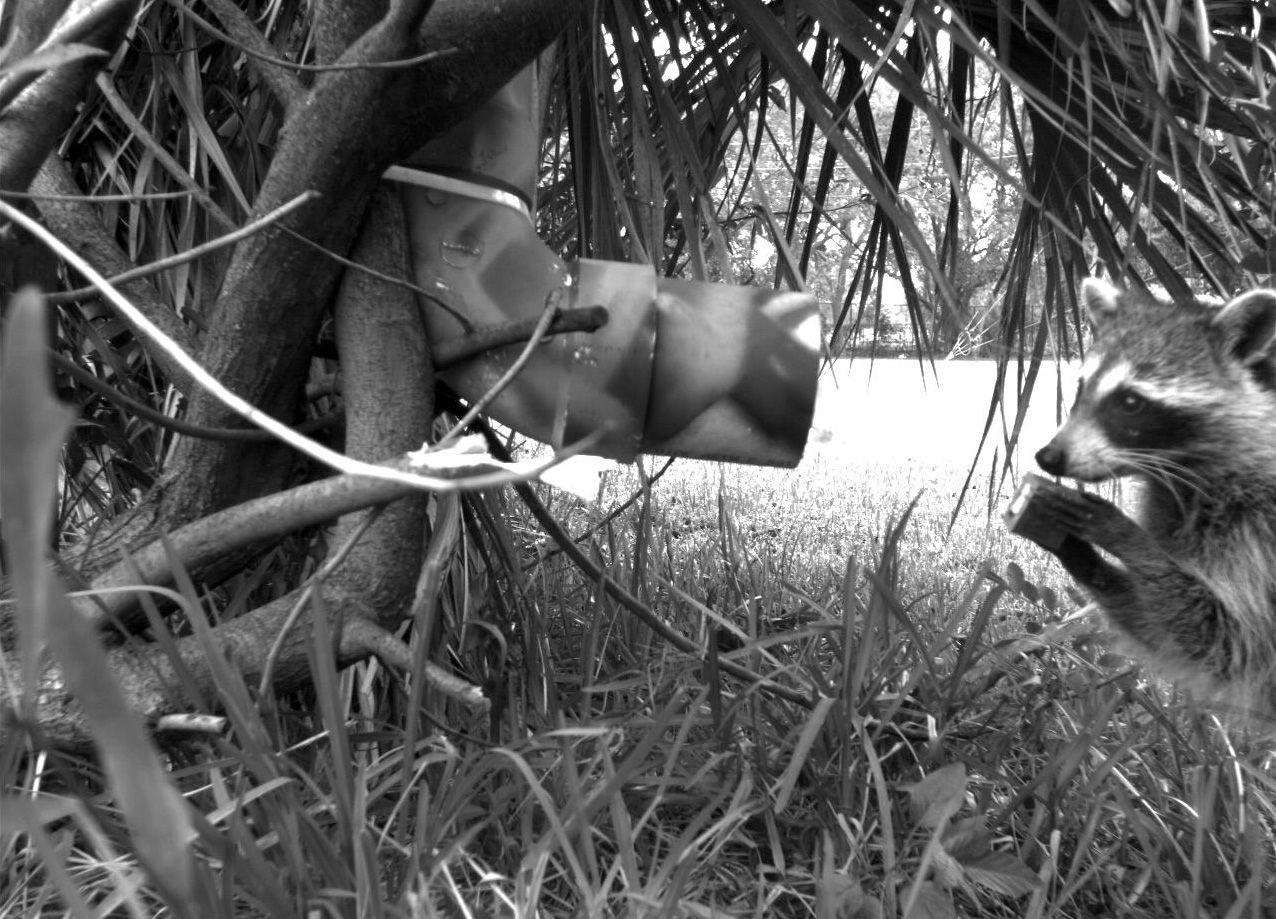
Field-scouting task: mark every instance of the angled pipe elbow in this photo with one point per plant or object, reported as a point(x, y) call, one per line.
point(681, 368)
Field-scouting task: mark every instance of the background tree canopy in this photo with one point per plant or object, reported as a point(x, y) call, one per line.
point(968, 161)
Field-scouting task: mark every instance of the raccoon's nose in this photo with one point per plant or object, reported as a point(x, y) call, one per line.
point(1052, 459)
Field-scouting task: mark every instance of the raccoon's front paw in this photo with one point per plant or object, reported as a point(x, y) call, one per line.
point(1047, 512)
point(1093, 519)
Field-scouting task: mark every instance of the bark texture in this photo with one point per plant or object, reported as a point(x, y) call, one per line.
point(342, 129)
point(338, 140)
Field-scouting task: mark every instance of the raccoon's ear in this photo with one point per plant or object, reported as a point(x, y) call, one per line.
point(1248, 324)
point(1100, 299)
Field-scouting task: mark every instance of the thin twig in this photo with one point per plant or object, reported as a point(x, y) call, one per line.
point(360, 637)
point(307, 592)
point(450, 480)
point(181, 258)
point(538, 333)
point(452, 351)
point(352, 265)
point(616, 512)
point(94, 199)
point(177, 425)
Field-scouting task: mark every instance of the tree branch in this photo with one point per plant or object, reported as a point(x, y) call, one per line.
point(153, 685)
point(77, 224)
point(282, 83)
point(388, 388)
point(190, 255)
point(362, 638)
point(351, 127)
point(32, 124)
point(208, 547)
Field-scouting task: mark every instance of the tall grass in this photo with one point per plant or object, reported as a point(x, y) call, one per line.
point(965, 749)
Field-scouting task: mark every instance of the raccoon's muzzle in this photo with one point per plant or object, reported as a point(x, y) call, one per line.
point(1052, 459)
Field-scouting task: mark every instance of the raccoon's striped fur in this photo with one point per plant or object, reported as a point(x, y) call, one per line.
point(1182, 397)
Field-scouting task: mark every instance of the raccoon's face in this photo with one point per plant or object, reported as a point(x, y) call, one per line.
point(1116, 423)
point(1167, 386)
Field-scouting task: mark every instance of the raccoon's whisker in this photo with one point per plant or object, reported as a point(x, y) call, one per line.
point(1165, 474)
point(1168, 470)
point(1171, 473)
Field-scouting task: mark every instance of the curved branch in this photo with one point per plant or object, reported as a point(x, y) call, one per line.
point(352, 125)
point(152, 676)
point(189, 255)
point(155, 416)
point(388, 387)
point(274, 72)
point(362, 638)
point(206, 545)
point(75, 222)
point(32, 124)
point(32, 23)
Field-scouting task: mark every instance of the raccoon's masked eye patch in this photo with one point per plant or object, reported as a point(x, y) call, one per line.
point(1264, 374)
point(1133, 421)
point(1129, 403)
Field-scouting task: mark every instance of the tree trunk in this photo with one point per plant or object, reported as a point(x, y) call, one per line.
point(340, 132)
point(337, 140)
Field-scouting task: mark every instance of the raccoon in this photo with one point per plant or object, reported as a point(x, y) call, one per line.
point(1181, 397)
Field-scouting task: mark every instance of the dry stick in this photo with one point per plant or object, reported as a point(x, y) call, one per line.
point(538, 333)
point(307, 592)
point(360, 637)
point(243, 408)
point(485, 338)
point(202, 540)
point(181, 258)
